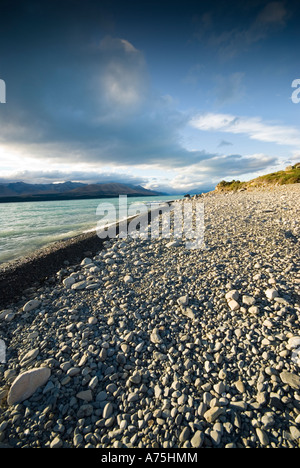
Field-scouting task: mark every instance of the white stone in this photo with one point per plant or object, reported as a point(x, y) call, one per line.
point(157, 391)
point(92, 320)
point(208, 366)
point(132, 397)
point(93, 382)
point(139, 347)
point(67, 282)
point(183, 300)
point(219, 388)
point(233, 304)
point(295, 433)
point(9, 317)
point(128, 279)
point(293, 380)
point(262, 436)
point(155, 337)
point(197, 440)
point(86, 261)
point(56, 443)
point(73, 371)
point(2, 352)
point(187, 311)
point(248, 300)
point(135, 378)
point(32, 354)
point(4, 313)
point(253, 310)
point(213, 414)
point(233, 294)
point(294, 342)
point(271, 293)
point(79, 285)
point(27, 383)
point(172, 244)
point(108, 410)
point(31, 305)
point(267, 323)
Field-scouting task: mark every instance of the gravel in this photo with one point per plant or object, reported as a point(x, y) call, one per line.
point(150, 344)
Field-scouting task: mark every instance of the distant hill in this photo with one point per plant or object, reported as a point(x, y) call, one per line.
point(291, 175)
point(21, 191)
point(112, 188)
point(13, 189)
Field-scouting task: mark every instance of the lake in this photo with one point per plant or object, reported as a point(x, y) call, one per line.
point(28, 226)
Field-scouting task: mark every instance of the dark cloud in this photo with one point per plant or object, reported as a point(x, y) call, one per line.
point(224, 143)
point(232, 28)
point(235, 164)
point(98, 108)
point(89, 177)
point(83, 95)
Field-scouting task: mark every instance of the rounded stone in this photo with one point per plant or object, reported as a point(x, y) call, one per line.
point(27, 383)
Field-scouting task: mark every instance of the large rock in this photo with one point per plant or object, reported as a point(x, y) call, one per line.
point(293, 380)
point(31, 305)
point(27, 383)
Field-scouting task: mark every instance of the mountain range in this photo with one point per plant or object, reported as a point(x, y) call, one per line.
point(21, 191)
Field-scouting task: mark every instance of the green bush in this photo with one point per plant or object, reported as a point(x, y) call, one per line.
point(290, 176)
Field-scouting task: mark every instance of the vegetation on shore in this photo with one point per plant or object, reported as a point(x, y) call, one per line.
point(291, 175)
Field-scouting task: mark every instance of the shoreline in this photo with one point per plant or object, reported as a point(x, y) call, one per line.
point(25, 272)
point(60, 243)
point(20, 274)
point(33, 269)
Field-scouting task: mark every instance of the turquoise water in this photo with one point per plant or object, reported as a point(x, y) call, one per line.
point(28, 226)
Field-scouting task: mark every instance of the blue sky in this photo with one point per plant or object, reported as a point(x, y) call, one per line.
point(174, 96)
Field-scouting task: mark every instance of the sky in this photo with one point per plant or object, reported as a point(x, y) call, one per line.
point(172, 95)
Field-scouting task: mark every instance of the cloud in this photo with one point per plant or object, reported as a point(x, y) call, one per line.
point(253, 127)
point(123, 77)
point(274, 13)
point(88, 177)
point(224, 143)
point(206, 175)
point(245, 31)
point(100, 108)
point(270, 19)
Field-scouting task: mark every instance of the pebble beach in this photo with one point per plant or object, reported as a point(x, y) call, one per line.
point(147, 344)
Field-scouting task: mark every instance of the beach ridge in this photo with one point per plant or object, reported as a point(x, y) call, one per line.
point(149, 344)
